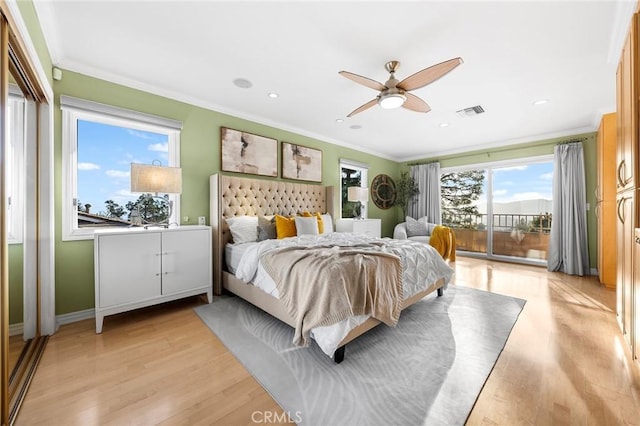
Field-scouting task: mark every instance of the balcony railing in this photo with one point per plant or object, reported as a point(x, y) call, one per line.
point(516, 235)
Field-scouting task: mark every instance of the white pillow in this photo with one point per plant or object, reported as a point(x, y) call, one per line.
point(327, 221)
point(418, 227)
point(306, 225)
point(244, 229)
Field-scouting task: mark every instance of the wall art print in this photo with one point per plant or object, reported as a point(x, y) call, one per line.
point(244, 152)
point(301, 163)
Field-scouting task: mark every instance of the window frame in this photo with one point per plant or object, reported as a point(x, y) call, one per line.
point(364, 172)
point(490, 166)
point(74, 109)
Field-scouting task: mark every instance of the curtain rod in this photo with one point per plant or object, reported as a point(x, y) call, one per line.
point(421, 163)
point(488, 153)
point(572, 141)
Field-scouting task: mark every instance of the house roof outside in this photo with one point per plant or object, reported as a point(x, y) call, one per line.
point(97, 221)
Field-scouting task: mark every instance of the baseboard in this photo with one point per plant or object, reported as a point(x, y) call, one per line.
point(15, 329)
point(74, 317)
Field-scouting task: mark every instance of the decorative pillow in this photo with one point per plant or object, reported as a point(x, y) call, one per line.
point(306, 225)
point(244, 229)
point(285, 227)
point(320, 221)
point(266, 228)
point(418, 227)
point(327, 222)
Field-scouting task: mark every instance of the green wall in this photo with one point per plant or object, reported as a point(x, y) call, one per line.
point(30, 18)
point(533, 149)
point(16, 287)
point(199, 158)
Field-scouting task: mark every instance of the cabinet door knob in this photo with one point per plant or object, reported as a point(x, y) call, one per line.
point(157, 274)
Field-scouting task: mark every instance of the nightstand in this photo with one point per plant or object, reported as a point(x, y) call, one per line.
point(370, 227)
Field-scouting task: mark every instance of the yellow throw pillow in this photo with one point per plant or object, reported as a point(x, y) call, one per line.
point(285, 227)
point(320, 221)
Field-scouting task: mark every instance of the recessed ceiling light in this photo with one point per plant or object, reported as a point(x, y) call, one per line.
point(444, 124)
point(273, 95)
point(541, 101)
point(339, 120)
point(242, 83)
point(355, 127)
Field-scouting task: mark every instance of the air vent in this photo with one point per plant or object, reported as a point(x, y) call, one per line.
point(468, 112)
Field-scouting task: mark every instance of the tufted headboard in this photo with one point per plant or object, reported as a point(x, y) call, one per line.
point(236, 196)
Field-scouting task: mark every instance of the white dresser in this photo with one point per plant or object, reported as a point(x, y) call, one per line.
point(370, 227)
point(137, 267)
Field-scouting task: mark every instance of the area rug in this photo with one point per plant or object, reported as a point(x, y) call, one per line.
point(427, 370)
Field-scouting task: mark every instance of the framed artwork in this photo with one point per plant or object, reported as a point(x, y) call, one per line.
point(383, 191)
point(244, 152)
point(301, 163)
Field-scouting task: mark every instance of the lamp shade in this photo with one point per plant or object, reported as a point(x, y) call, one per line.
point(357, 193)
point(156, 179)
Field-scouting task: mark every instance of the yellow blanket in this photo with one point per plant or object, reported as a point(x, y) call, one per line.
point(443, 239)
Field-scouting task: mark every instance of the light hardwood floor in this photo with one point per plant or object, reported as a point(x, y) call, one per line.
point(565, 363)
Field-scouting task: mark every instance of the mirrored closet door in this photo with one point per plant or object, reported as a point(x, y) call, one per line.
point(22, 343)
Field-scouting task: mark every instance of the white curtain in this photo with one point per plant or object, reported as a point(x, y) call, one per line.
point(568, 247)
point(427, 202)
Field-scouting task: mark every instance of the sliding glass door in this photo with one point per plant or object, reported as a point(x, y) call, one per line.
point(500, 210)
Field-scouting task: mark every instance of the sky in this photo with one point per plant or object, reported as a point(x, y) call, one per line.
point(105, 154)
point(524, 182)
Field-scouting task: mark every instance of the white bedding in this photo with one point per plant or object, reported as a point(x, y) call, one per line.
point(422, 266)
point(233, 253)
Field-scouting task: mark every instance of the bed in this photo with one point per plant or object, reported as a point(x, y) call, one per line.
point(233, 196)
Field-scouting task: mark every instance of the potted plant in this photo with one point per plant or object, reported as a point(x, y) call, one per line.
point(406, 189)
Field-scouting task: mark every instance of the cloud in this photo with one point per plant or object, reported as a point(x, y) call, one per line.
point(141, 135)
point(530, 196)
point(510, 169)
point(159, 147)
point(88, 166)
point(546, 176)
point(118, 174)
point(499, 192)
point(122, 196)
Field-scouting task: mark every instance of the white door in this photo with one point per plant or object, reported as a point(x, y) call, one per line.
point(184, 257)
point(129, 268)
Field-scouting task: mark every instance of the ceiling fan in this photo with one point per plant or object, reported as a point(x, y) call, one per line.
point(394, 93)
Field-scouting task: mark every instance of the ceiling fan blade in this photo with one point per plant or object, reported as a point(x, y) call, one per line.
point(363, 107)
point(414, 103)
point(363, 80)
point(428, 75)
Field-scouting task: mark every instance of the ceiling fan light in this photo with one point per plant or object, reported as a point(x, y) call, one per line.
point(392, 100)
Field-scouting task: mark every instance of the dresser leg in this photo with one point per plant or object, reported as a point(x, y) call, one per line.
point(99, 320)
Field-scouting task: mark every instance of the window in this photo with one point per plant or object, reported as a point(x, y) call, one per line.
point(351, 174)
point(15, 165)
point(501, 209)
point(99, 144)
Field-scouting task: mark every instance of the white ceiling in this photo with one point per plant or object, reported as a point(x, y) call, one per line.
point(514, 53)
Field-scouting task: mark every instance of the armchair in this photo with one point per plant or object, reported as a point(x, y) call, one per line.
point(400, 231)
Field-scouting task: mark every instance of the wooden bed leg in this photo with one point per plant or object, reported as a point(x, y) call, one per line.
point(338, 355)
point(440, 292)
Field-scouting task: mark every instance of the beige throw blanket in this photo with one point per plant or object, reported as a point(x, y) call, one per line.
point(321, 286)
